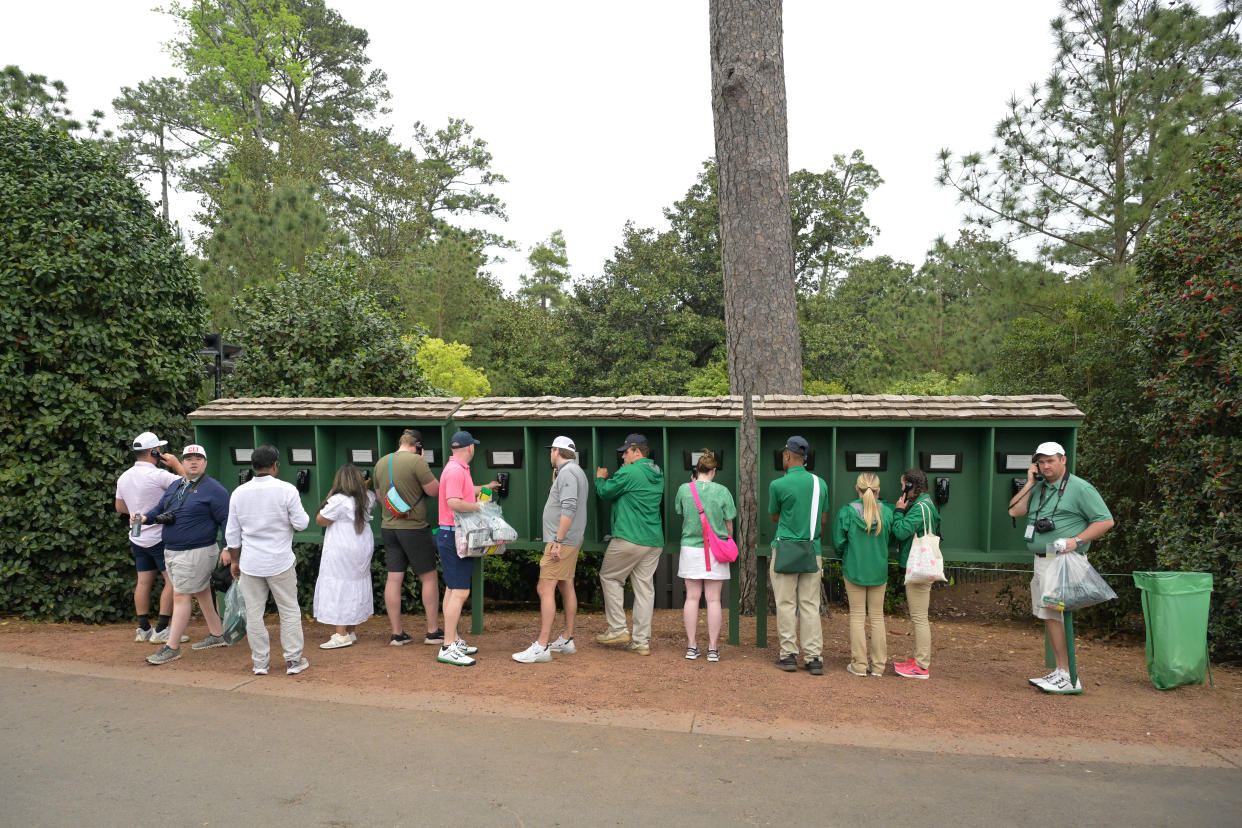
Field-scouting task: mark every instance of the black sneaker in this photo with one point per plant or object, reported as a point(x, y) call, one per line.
point(788, 663)
point(399, 640)
point(436, 637)
point(815, 666)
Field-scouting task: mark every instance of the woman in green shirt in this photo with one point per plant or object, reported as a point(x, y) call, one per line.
point(916, 516)
point(702, 573)
point(861, 535)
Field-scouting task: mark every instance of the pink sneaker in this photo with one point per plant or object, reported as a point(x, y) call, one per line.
point(910, 670)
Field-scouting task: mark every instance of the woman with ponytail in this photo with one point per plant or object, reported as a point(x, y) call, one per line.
point(861, 535)
point(702, 573)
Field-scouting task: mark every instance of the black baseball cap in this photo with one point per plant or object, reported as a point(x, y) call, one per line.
point(797, 445)
point(638, 440)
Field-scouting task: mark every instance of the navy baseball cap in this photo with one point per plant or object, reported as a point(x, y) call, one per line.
point(796, 445)
point(462, 439)
point(633, 440)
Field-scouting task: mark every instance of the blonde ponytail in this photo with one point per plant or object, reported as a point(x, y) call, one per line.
point(868, 488)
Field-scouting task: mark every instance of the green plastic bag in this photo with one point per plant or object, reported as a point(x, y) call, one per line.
point(1175, 609)
point(234, 617)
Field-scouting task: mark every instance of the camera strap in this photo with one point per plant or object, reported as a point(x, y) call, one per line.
point(1043, 493)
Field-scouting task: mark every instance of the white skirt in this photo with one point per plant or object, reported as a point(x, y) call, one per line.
point(692, 565)
point(343, 590)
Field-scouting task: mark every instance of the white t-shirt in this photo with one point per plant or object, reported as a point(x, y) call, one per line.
point(263, 515)
point(141, 488)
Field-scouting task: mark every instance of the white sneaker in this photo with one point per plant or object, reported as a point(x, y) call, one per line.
point(1038, 682)
point(464, 647)
point(261, 671)
point(336, 641)
point(144, 635)
point(563, 645)
point(1060, 684)
point(353, 638)
point(450, 654)
point(536, 652)
point(161, 637)
point(292, 668)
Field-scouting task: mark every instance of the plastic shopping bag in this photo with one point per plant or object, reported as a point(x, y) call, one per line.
point(484, 532)
point(1071, 583)
point(234, 617)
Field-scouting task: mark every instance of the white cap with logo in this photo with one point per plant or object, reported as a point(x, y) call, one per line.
point(194, 448)
point(563, 442)
point(1050, 449)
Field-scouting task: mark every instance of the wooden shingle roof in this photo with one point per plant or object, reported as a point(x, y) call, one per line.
point(329, 408)
point(907, 407)
point(600, 408)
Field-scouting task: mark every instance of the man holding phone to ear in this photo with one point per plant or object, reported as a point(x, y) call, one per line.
point(138, 490)
point(1067, 511)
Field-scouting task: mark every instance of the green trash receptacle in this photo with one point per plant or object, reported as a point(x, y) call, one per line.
point(1175, 610)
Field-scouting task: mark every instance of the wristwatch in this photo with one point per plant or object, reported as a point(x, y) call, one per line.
point(1078, 540)
point(558, 540)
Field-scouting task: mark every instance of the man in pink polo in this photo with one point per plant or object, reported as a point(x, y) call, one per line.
point(457, 494)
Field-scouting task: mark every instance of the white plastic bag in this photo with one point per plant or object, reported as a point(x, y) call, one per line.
point(484, 532)
point(1071, 583)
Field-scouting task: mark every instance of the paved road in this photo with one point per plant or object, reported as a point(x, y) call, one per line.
point(79, 750)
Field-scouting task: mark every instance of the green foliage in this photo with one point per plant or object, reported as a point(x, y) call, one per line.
point(444, 365)
point(102, 314)
point(1189, 326)
point(710, 381)
point(528, 351)
point(549, 266)
point(46, 101)
point(829, 224)
point(1138, 87)
point(1082, 347)
point(935, 384)
point(319, 333)
point(821, 388)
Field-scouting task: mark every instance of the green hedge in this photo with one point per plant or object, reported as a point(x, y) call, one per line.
point(101, 315)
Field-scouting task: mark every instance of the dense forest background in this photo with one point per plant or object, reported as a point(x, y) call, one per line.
point(341, 257)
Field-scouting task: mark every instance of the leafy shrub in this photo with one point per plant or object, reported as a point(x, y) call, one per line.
point(101, 315)
point(1190, 327)
point(319, 333)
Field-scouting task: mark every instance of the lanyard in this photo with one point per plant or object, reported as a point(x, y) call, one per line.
point(1043, 493)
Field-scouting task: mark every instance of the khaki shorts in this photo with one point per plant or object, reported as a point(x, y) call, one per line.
point(1037, 591)
point(562, 570)
point(190, 569)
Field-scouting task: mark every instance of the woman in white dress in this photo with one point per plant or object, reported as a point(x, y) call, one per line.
point(343, 593)
point(694, 562)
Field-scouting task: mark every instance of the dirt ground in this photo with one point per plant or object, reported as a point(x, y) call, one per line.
point(981, 660)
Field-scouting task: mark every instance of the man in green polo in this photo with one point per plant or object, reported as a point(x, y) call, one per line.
point(798, 502)
point(636, 491)
point(1057, 506)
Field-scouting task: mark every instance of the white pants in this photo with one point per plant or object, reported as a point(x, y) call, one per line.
point(284, 589)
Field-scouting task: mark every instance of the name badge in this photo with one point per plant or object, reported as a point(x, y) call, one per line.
point(1030, 531)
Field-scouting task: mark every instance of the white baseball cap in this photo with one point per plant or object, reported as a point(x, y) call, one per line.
point(563, 442)
point(1050, 449)
point(194, 448)
point(147, 440)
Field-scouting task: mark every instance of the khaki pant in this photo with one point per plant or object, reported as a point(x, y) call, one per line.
point(918, 598)
point(867, 601)
point(622, 560)
point(284, 589)
point(797, 610)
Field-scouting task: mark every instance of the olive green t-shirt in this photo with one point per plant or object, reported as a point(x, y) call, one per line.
point(410, 471)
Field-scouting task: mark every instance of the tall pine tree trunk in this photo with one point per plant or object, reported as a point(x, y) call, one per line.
point(756, 236)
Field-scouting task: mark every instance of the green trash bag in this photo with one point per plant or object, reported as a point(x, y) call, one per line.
point(1175, 609)
point(234, 617)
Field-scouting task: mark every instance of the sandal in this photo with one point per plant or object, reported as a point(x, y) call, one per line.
point(692, 653)
point(713, 655)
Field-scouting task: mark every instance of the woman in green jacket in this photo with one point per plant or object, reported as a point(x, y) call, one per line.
point(861, 535)
point(916, 516)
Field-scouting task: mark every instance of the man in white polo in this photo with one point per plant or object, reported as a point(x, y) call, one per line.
point(263, 515)
point(138, 490)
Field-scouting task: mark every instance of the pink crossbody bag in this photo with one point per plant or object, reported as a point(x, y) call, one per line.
point(723, 550)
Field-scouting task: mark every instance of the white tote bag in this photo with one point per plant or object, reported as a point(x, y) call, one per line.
point(925, 564)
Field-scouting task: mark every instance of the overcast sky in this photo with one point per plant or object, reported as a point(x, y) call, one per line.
point(600, 112)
